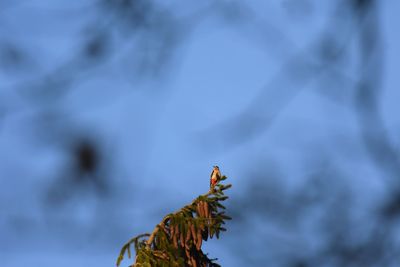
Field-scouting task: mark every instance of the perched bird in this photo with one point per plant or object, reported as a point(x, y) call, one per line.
point(215, 177)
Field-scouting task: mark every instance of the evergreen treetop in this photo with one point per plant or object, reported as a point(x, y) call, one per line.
point(177, 240)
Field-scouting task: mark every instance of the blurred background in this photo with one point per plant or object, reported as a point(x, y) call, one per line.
point(113, 112)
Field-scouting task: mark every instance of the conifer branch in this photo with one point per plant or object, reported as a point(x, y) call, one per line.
point(177, 239)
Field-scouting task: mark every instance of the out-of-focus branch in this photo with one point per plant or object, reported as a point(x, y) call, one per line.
point(368, 91)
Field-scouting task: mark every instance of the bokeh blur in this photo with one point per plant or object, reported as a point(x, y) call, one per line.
point(113, 112)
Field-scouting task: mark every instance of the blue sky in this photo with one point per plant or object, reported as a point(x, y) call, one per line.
point(159, 134)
